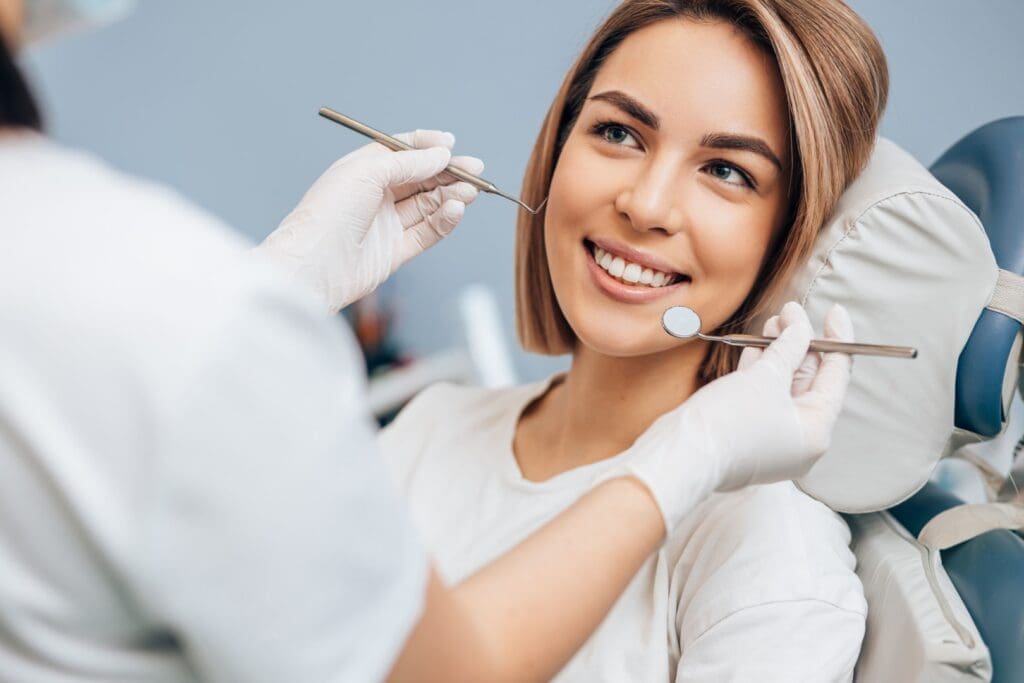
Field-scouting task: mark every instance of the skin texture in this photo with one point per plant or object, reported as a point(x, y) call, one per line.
point(12, 14)
point(665, 192)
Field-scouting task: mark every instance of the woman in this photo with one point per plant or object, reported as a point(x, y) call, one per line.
point(689, 158)
point(147, 516)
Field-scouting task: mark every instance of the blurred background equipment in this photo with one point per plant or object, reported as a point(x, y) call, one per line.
point(477, 354)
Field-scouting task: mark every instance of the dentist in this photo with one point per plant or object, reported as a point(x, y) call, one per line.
point(188, 483)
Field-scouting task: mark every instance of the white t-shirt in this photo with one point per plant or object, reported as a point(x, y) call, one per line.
point(188, 483)
point(754, 585)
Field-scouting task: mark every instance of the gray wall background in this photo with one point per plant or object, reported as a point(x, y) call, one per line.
point(219, 100)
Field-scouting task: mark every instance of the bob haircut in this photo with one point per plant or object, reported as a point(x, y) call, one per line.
point(836, 81)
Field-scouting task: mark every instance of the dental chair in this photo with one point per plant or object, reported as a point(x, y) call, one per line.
point(986, 171)
point(907, 255)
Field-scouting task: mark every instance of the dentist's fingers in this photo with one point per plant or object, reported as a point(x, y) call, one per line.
point(432, 148)
point(787, 352)
point(421, 139)
point(429, 231)
point(433, 138)
point(820, 406)
point(835, 367)
point(418, 139)
point(468, 164)
point(805, 374)
point(400, 169)
point(751, 353)
point(829, 385)
point(422, 205)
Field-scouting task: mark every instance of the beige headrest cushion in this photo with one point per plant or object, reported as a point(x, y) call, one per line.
point(913, 266)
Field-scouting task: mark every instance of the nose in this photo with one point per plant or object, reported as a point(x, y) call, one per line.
point(651, 199)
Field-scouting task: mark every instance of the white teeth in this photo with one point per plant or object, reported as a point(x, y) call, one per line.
point(630, 272)
point(617, 267)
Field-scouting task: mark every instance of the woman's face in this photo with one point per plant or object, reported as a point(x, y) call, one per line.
point(670, 185)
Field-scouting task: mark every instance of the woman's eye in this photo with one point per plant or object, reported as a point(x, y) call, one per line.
point(729, 174)
point(616, 134)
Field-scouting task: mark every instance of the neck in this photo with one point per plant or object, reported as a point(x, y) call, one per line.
point(604, 404)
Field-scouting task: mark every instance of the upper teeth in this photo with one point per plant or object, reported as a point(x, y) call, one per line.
point(630, 272)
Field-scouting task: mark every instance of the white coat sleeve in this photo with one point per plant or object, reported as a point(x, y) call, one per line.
point(798, 640)
point(275, 546)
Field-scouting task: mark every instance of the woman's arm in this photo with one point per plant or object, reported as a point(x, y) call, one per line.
point(522, 617)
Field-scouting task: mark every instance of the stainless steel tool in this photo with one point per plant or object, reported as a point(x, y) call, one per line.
point(397, 145)
point(684, 323)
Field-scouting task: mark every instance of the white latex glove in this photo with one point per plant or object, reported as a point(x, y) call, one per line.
point(369, 213)
point(768, 421)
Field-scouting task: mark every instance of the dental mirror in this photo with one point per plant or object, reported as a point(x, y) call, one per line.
point(682, 322)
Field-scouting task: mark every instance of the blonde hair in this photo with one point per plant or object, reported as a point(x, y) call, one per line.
point(836, 81)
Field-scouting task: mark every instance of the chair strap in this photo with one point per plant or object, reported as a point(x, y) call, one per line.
point(963, 522)
point(1008, 296)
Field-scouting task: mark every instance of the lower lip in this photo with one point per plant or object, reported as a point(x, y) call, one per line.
point(627, 294)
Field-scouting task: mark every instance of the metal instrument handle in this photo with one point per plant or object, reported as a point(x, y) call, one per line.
point(396, 145)
point(823, 345)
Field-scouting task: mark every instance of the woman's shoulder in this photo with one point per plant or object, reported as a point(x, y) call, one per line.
point(774, 524)
point(760, 545)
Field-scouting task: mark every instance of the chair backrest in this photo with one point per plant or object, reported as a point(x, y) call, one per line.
point(986, 171)
point(913, 266)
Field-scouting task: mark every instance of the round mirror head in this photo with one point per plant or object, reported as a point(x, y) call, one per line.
point(681, 322)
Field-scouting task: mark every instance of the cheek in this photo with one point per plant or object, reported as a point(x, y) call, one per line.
point(562, 232)
point(580, 183)
point(577, 194)
point(733, 251)
point(730, 247)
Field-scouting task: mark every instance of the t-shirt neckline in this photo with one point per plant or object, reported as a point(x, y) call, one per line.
point(510, 464)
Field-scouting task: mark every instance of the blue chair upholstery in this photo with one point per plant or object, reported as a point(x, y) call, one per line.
point(986, 170)
point(988, 572)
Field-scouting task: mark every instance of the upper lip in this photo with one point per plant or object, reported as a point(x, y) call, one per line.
point(629, 253)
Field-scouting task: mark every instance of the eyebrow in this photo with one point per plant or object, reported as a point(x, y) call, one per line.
point(630, 106)
point(745, 143)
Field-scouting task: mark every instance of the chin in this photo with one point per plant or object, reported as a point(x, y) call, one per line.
point(622, 336)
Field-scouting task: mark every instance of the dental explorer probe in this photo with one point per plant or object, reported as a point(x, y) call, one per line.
point(397, 145)
point(684, 323)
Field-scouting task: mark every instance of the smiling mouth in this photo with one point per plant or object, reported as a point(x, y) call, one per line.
point(630, 273)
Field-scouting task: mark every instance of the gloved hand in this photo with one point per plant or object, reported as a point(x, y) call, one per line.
point(768, 421)
point(369, 213)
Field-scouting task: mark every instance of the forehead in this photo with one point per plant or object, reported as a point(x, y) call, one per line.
point(699, 76)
